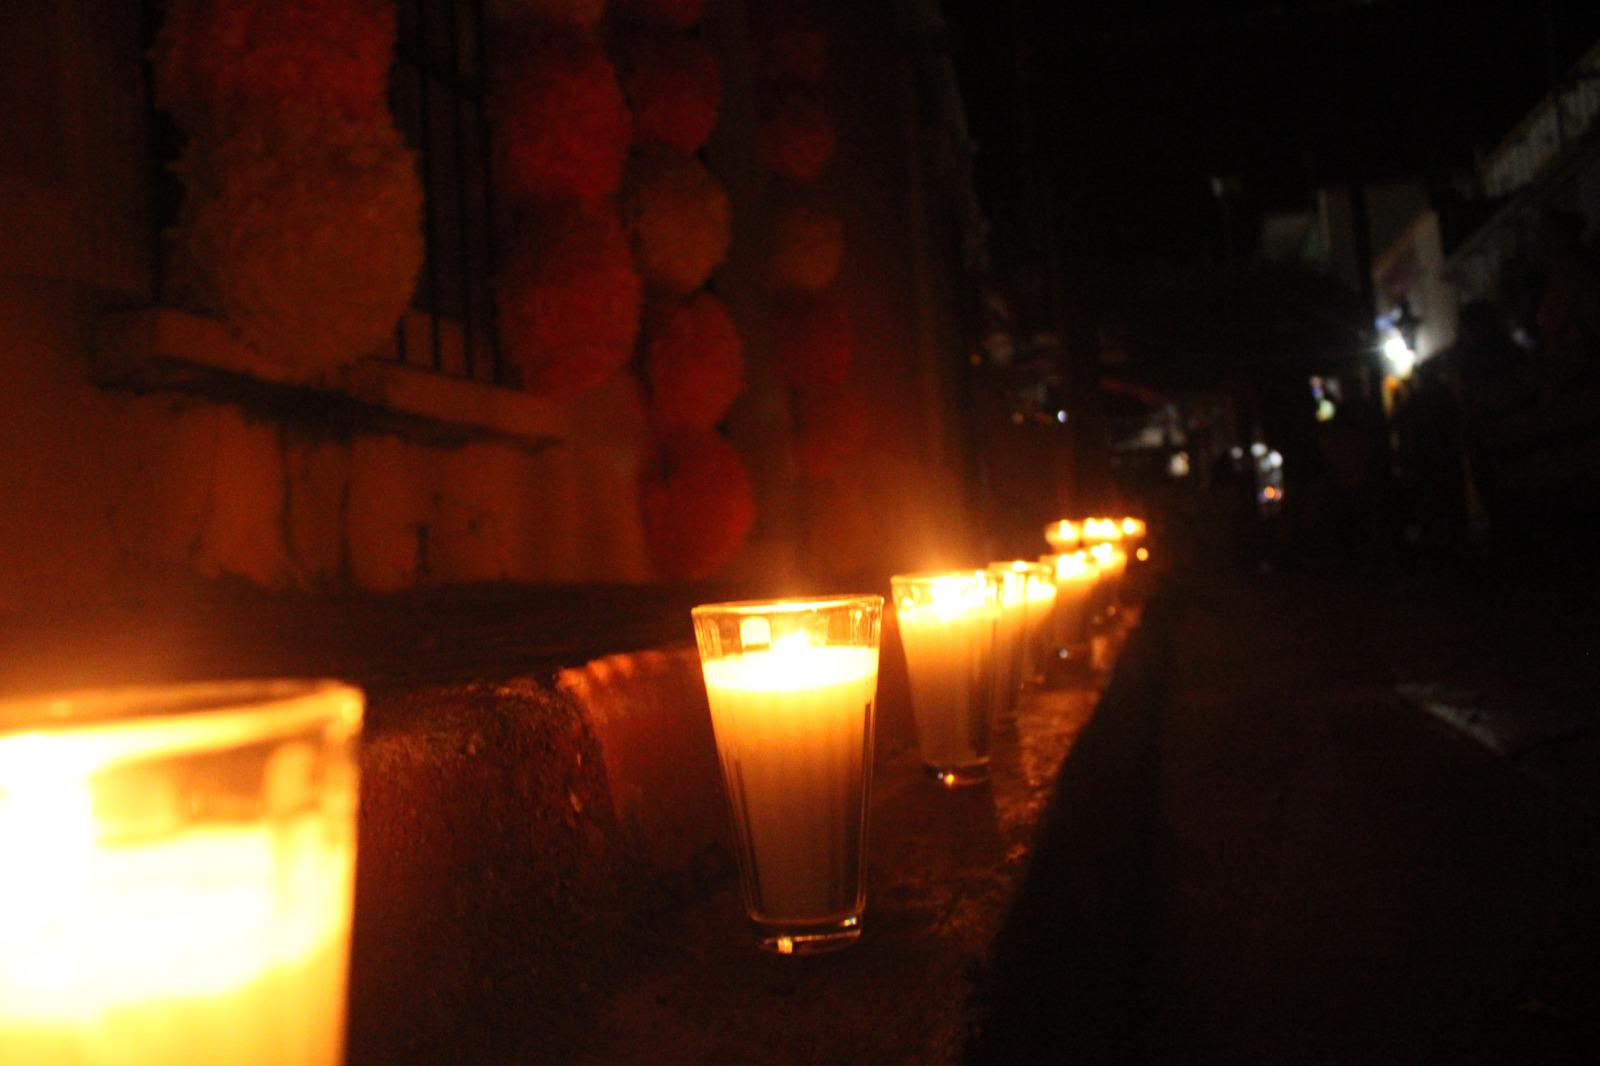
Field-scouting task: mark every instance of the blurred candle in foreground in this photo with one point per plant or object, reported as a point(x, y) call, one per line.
point(178, 874)
point(947, 625)
point(1010, 634)
point(791, 686)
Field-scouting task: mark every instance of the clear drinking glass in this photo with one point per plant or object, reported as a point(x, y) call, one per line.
point(947, 624)
point(1077, 580)
point(791, 685)
point(1011, 635)
point(178, 874)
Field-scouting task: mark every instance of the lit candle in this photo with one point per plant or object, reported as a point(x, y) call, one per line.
point(947, 626)
point(1113, 564)
point(791, 686)
point(1041, 609)
point(1100, 531)
point(1134, 533)
point(1063, 536)
point(1076, 577)
point(1011, 633)
point(178, 876)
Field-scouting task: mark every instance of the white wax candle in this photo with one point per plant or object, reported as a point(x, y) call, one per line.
point(949, 646)
point(223, 944)
point(1009, 634)
point(1076, 578)
point(794, 731)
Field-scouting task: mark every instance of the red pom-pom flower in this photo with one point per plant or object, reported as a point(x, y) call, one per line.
point(832, 426)
point(562, 125)
point(807, 247)
point(796, 139)
point(320, 56)
point(569, 303)
point(694, 362)
point(673, 87)
point(812, 346)
point(679, 218)
point(698, 506)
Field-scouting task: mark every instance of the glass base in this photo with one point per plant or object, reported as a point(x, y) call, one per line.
point(808, 938)
point(958, 776)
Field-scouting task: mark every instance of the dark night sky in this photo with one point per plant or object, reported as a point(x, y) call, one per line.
point(1135, 105)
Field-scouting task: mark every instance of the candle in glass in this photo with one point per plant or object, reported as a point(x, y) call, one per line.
point(1112, 562)
point(1041, 609)
point(1095, 531)
point(1134, 536)
point(1063, 536)
point(947, 626)
point(791, 686)
point(1076, 578)
point(1010, 634)
point(179, 874)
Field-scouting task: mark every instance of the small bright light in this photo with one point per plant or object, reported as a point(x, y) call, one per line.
point(1178, 464)
point(1325, 410)
point(1399, 354)
point(1143, 555)
point(1061, 416)
point(1274, 460)
point(1258, 449)
point(1236, 452)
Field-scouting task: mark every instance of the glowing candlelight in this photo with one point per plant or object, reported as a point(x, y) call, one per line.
point(1100, 531)
point(1041, 609)
point(947, 625)
point(179, 875)
point(791, 686)
point(1076, 577)
point(1113, 564)
point(1011, 634)
point(1064, 535)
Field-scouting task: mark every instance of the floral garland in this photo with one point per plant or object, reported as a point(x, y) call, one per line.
point(680, 220)
point(812, 345)
point(672, 86)
point(563, 126)
point(292, 160)
point(694, 362)
point(568, 297)
point(698, 504)
point(569, 302)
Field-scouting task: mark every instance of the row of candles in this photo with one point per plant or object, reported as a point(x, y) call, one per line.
point(792, 686)
point(180, 860)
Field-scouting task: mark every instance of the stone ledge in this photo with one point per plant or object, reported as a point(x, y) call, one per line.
point(164, 350)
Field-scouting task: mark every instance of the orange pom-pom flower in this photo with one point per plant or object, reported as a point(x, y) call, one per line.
point(694, 362)
point(673, 88)
point(569, 303)
point(562, 126)
point(678, 215)
point(698, 504)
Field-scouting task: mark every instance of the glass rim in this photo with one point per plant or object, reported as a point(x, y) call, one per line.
point(934, 575)
point(1016, 566)
point(136, 720)
point(788, 605)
